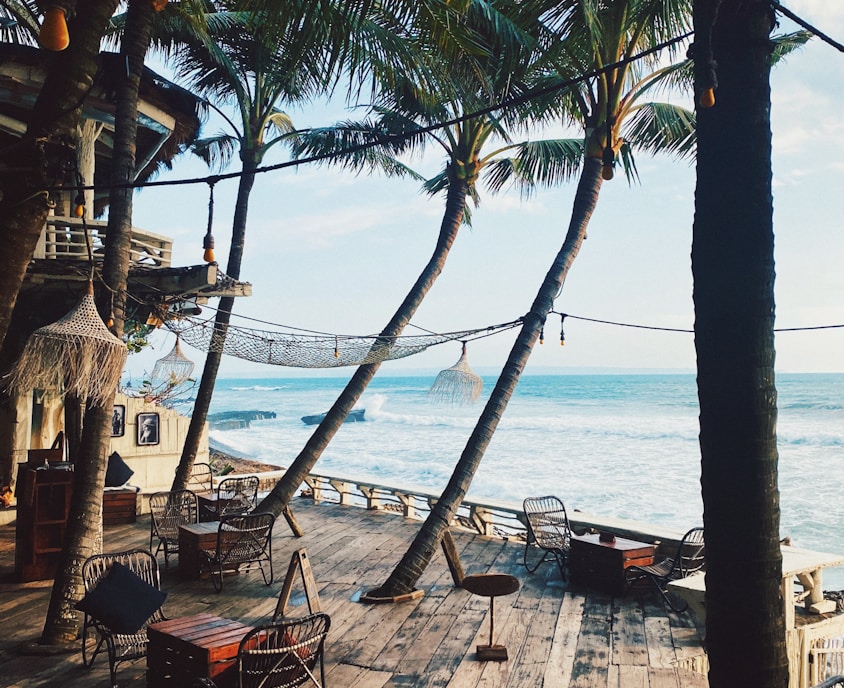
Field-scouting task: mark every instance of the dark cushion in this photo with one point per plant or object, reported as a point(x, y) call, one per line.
point(122, 600)
point(117, 472)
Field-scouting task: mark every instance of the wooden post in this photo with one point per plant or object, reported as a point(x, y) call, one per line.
point(292, 522)
point(453, 558)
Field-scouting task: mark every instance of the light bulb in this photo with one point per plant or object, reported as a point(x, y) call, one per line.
point(208, 256)
point(607, 172)
point(159, 5)
point(54, 34)
point(707, 98)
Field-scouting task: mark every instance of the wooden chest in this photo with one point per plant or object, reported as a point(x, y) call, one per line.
point(194, 539)
point(119, 506)
point(200, 646)
point(601, 565)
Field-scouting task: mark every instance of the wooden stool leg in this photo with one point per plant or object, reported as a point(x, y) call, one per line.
point(491, 652)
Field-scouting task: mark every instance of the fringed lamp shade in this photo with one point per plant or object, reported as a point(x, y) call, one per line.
point(173, 369)
point(76, 355)
point(458, 384)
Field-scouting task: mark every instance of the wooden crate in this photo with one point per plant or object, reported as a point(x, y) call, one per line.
point(199, 646)
point(601, 565)
point(119, 506)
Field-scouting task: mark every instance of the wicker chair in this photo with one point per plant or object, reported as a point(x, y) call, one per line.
point(689, 558)
point(201, 478)
point(234, 496)
point(281, 655)
point(284, 654)
point(98, 634)
point(832, 682)
point(547, 528)
point(243, 542)
point(168, 511)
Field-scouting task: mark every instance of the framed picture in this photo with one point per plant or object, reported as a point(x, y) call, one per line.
point(118, 421)
point(147, 428)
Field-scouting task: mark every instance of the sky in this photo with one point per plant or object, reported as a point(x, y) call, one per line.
point(330, 251)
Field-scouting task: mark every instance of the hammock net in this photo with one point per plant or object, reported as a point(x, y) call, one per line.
point(297, 350)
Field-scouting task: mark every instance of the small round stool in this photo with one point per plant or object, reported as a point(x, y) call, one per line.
point(491, 585)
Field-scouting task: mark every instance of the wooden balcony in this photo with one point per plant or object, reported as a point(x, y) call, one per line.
point(63, 238)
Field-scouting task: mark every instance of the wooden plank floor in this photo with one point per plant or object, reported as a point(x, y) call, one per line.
point(556, 636)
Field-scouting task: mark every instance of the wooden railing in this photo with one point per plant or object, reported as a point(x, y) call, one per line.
point(64, 238)
point(487, 516)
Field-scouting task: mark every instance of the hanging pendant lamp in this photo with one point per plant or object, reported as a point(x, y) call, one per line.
point(77, 355)
point(173, 369)
point(458, 384)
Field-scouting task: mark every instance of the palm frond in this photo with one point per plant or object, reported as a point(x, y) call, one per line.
point(216, 151)
point(536, 163)
point(662, 128)
point(787, 43)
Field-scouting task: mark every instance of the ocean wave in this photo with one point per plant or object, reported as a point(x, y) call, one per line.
point(259, 388)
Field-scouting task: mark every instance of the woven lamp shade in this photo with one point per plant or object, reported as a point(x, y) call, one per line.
point(458, 384)
point(74, 355)
point(173, 369)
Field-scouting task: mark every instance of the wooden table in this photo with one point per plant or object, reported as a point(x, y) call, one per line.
point(200, 646)
point(194, 539)
point(601, 565)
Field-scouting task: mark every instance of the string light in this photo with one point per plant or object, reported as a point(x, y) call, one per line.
point(562, 331)
point(208, 240)
point(53, 34)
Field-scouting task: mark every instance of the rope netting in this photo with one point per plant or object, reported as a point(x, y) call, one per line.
point(314, 350)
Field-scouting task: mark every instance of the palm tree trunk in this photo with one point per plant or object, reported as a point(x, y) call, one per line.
point(83, 536)
point(284, 489)
point(221, 325)
point(403, 578)
point(40, 159)
point(733, 269)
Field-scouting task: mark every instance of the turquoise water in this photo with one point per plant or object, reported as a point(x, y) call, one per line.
point(619, 445)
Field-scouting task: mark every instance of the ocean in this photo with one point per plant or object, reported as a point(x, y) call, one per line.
point(619, 445)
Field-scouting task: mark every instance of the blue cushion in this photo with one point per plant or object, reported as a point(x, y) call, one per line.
point(122, 600)
point(117, 472)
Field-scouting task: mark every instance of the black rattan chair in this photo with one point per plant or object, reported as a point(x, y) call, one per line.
point(168, 511)
point(689, 558)
point(118, 608)
point(548, 529)
point(243, 542)
point(234, 496)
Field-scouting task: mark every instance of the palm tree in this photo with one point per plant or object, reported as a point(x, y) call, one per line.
point(608, 106)
point(500, 66)
point(42, 156)
point(733, 270)
point(287, 52)
point(85, 516)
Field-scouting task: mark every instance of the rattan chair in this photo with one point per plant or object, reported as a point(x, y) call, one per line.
point(97, 634)
point(201, 478)
point(832, 682)
point(548, 529)
point(234, 496)
point(689, 558)
point(281, 655)
point(284, 654)
point(243, 542)
point(168, 511)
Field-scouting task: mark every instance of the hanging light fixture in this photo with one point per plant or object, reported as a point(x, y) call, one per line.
point(77, 355)
point(54, 34)
point(173, 369)
point(458, 384)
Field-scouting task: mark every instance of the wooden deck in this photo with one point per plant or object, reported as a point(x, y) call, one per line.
point(556, 635)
